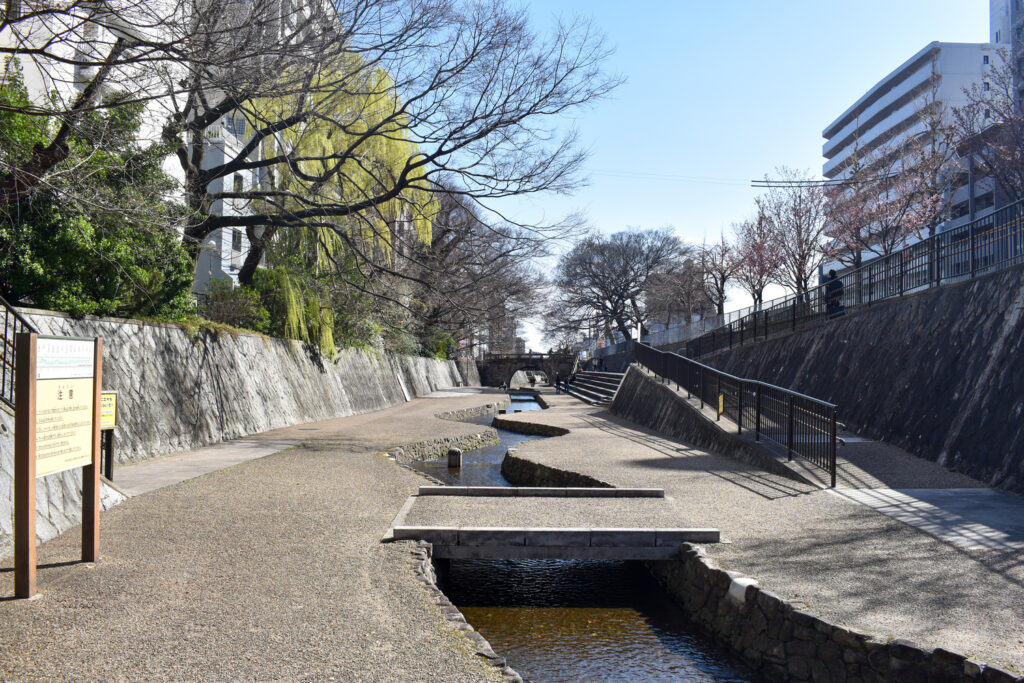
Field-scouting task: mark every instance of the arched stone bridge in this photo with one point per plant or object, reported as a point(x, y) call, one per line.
point(497, 368)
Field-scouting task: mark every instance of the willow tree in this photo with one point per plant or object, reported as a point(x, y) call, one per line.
point(312, 262)
point(355, 108)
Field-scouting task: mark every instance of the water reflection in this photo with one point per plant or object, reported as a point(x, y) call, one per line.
point(570, 620)
point(482, 466)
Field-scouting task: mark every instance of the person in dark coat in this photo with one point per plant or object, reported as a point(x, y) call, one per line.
point(834, 295)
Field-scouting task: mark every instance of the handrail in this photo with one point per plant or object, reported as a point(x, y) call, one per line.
point(803, 425)
point(985, 245)
point(14, 323)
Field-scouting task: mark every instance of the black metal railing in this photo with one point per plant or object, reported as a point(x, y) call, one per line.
point(983, 246)
point(803, 425)
point(14, 323)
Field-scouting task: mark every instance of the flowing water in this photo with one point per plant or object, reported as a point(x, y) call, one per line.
point(573, 620)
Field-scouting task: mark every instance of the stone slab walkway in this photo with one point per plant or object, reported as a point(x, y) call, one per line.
point(830, 554)
point(271, 569)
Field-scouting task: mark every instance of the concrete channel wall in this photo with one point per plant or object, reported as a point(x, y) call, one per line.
point(179, 391)
point(939, 373)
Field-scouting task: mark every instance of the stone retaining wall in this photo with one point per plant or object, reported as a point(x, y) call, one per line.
point(644, 400)
point(939, 373)
point(523, 472)
point(787, 644)
point(179, 391)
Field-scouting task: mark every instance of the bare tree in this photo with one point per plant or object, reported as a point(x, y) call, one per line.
point(476, 276)
point(718, 263)
point(607, 277)
point(990, 126)
point(360, 107)
point(795, 212)
point(326, 117)
point(758, 257)
point(677, 296)
point(895, 190)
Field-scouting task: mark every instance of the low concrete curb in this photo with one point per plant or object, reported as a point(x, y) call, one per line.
point(542, 491)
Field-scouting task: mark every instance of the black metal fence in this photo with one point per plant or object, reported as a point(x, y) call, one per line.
point(14, 323)
point(804, 426)
point(983, 246)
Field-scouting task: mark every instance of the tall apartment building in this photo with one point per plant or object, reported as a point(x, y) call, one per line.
point(1006, 31)
point(894, 109)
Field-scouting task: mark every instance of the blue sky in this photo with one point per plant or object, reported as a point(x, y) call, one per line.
point(719, 93)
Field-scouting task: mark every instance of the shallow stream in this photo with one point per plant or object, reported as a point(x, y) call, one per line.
point(572, 620)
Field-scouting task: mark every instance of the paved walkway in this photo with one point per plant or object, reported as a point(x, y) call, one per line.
point(268, 570)
point(831, 552)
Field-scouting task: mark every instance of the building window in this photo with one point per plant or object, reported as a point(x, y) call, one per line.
point(988, 113)
point(984, 60)
point(986, 86)
point(998, 37)
point(959, 210)
point(238, 183)
point(236, 240)
point(984, 201)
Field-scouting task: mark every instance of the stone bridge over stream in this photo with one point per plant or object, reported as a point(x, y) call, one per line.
point(498, 368)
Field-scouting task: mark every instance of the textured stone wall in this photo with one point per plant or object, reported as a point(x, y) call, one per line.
point(939, 373)
point(787, 644)
point(644, 400)
point(178, 391)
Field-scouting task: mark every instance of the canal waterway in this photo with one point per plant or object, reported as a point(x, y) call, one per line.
point(574, 620)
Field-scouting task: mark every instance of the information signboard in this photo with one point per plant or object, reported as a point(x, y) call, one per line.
point(57, 417)
point(108, 410)
point(64, 404)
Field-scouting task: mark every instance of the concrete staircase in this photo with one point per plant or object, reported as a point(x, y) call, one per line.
point(596, 388)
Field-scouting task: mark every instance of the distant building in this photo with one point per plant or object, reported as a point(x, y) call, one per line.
point(225, 250)
point(893, 110)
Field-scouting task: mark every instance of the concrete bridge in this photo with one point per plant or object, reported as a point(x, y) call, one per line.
point(469, 522)
point(497, 368)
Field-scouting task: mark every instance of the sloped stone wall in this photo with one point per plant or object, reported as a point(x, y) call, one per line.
point(939, 373)
point(178, 391)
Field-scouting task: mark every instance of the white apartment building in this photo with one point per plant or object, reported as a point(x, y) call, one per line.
point(893, 108)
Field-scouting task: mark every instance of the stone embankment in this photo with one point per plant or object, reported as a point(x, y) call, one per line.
point(179, 391)
point(939, 373)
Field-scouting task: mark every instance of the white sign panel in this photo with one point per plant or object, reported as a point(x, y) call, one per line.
point(64, 358)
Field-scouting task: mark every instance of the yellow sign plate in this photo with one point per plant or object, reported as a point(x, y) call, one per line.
point(108, 410)
point(721, 403)
point(63, 424)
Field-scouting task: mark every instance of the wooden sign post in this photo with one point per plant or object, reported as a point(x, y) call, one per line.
point(57, 419)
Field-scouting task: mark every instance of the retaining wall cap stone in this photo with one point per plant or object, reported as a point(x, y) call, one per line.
point(738, 588)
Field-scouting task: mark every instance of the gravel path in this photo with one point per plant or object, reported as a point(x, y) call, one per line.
point(842, 560)
point(269, 570)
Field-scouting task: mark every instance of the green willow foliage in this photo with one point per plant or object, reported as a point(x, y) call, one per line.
point(296, 311)
point(73, 245)
point(314, 289)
